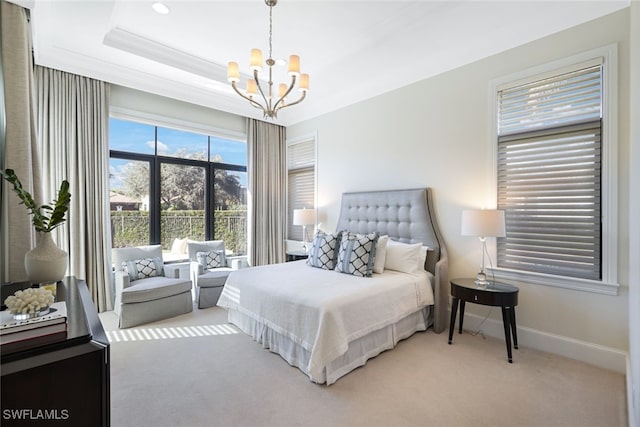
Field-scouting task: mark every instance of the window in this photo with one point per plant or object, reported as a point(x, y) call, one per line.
point(301, 181)
point(553, 179)
point(169, 185)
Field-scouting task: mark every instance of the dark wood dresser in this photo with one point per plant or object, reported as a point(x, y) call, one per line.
point(64, 382)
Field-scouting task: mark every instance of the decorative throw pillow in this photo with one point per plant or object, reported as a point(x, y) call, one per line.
point(142, 268)
point(357, 253)
point(404, 257)
point(324, 250)
point(381, 254)
point(193, 247)
point(211, 259)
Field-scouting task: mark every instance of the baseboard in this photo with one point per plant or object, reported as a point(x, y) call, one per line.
point(593, 354)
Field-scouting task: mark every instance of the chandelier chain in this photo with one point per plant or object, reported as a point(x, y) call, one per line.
point(270, 30)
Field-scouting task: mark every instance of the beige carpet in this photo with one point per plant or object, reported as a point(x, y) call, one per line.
point(166, 374)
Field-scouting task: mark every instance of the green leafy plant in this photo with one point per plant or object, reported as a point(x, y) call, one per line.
point(45, 217)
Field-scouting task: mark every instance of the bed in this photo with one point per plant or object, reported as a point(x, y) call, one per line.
point(327, 323)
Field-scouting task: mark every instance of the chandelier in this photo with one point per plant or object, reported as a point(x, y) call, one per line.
point(267, 102)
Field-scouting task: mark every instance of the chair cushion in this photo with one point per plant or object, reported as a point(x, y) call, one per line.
point(154, 288)
point(214, 278)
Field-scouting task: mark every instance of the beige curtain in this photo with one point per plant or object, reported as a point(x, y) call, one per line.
point(267, 176)
point(73, 136)
point(16, 231)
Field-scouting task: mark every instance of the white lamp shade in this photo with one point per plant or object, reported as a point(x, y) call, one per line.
point(304, 216)
point(483, 223)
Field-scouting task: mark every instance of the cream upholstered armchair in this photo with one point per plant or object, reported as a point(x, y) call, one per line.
point(146, 289)
point(210, 266)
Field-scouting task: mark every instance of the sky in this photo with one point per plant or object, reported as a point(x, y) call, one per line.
point(136, 137)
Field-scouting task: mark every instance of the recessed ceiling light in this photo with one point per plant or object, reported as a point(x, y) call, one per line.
point(281, 61)
point(160, 8)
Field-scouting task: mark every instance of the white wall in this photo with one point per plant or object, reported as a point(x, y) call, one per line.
point(436, 133)
point(634, 226)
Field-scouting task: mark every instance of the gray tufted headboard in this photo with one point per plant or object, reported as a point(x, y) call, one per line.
point(406, 216)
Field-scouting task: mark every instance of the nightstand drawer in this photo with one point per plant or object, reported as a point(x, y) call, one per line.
point(494, 295)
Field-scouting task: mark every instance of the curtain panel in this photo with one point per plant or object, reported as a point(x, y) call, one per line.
point(267, 177)
point(17, 234)
point(73, 139)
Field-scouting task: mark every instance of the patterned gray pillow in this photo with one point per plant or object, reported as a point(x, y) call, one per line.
point(357, 253)
point(324, 250)
point(142, 268)
point(211, 259)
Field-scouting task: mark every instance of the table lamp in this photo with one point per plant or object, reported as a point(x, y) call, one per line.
point(483, 223)
point(304, 217)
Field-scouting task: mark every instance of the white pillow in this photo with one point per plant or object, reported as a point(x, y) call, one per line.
point(179, 246)
point(423, 255)
point(381, 254)
point(404, 257)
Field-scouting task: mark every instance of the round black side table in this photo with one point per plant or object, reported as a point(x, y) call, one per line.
point(494, 294)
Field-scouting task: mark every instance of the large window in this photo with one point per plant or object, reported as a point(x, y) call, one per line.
point(170, 185)
point(301, 181)
point(551, 166)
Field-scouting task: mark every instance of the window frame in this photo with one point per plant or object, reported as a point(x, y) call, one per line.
point(155, 161)
point(609, 185)
point(298, 140)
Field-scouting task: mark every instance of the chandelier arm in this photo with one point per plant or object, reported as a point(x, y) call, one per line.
point(304, 94)
point(251, 100)
point(281, 99)
point(266, 103)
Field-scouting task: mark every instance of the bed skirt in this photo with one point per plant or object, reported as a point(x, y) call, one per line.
point(360, 350)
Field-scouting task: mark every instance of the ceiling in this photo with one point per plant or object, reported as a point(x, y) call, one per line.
point(353, 50)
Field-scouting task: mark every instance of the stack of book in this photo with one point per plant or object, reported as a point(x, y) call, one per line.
point(16, 335)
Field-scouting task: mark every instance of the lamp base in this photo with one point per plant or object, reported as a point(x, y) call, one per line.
point(481, 279)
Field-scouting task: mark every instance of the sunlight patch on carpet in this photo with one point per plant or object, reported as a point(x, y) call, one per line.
point(148, 334)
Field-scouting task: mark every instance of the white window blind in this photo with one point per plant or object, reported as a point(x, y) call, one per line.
point(571, 97)
point(549, 175)
point(301, 161)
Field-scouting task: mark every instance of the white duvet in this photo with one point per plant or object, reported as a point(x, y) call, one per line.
point(324, 310)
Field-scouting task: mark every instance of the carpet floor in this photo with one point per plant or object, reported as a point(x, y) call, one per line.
point(198, 370)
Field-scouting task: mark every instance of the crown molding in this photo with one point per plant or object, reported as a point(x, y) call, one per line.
point(128, 41)
point(183, 90)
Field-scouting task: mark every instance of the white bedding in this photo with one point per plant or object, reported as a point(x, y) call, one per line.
point(323, 311)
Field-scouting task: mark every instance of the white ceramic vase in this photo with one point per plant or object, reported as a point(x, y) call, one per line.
point(46, 262)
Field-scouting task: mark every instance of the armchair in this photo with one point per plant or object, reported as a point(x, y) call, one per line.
point(147, 290)
point(210, 274)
